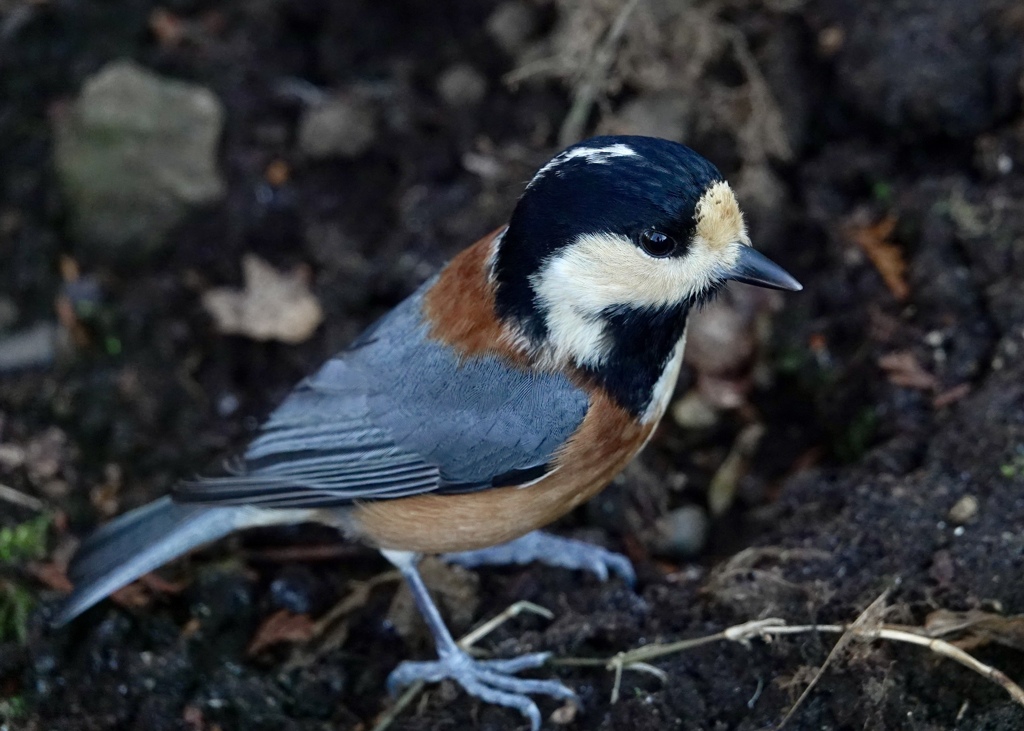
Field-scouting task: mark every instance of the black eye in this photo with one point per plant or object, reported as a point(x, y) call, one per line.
point(656, 243)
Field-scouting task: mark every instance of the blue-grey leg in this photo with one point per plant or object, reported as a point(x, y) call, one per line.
point(551, 550)
point(492, 681)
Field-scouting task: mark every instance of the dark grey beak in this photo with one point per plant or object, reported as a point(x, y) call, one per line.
point(755, 268)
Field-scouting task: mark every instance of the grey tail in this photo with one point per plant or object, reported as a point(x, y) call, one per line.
point(139, 542)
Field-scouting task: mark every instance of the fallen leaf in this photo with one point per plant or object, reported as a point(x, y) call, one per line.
point(51, 575)
point(166, 27)
point(132, 596)
point(978, 628)
point(271, 306)
point(565, 714)
point(277, 173)
point(903, 370)
point(193, 718)
point(281, 627)
point(159, 585)
point(885, 255)
point(140, 593)
point(951, 396)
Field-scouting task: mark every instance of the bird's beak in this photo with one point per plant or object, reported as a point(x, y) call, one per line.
point(753, 267)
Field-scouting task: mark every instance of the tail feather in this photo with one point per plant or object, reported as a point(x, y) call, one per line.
point(139, 542)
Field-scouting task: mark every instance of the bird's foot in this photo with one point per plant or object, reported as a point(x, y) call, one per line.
point(553, 551)
point(492, 681)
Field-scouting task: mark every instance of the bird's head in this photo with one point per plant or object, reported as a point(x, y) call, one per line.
point(614, 240)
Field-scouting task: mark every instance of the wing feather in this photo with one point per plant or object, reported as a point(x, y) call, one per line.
point(397, 415)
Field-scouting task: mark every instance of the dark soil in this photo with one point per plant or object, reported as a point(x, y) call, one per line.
point(906, 110)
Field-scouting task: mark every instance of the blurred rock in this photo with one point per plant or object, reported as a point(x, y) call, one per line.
point(133, 154)
point(295, 589)
point(723, 341)
point(683, 533)
point(8, 312)
point(965, 510)
point(511, 25)
point(693, 412)
point(340, 127)
point(720, 338)
point(32, 347)
point(462, 86)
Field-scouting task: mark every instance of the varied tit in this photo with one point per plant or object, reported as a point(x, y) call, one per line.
point(507, 390)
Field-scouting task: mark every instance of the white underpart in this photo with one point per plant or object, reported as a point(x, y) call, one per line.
point(599, 271)
point(665, 387)
point(593, 155)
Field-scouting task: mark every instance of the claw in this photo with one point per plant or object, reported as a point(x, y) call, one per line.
point(551, 550)
point(492, 681)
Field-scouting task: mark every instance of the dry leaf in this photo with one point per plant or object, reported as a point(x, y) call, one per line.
point(979, 628)
point(166, 27)
point(159, 585)
point(51, 575)
point(565, 715)
point(272, 305)
point(885, 255)
point(140, 593)
point(283, 626)
point(952, 395)
point(903, 370)
point(132, 596)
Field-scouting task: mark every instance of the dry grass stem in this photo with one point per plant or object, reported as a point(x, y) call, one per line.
point(16, 497)
point(870, 617)
point(865, 628)
point(588, 89)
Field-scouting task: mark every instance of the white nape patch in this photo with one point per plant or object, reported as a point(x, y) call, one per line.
point(593, 155)
point(666, 385)
point(492, 256)
point(599, 271)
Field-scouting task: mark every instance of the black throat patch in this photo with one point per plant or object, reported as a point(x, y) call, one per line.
point(642, 343)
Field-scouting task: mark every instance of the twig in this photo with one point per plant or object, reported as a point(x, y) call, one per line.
point(511, 612)
point(399, 705)
point(869, 615)
point(15, 497)
point(588, 89)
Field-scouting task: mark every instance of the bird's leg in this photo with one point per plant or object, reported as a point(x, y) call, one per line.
point(492, 681)
point(551, 550)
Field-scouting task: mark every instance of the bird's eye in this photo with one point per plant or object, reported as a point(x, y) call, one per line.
point(656, 243)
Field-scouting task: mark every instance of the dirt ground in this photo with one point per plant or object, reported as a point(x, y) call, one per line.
point(858, 445)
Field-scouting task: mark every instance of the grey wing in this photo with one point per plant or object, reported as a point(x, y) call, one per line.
point(398, 415)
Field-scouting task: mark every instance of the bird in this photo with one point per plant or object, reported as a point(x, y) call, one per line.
point(507, 390)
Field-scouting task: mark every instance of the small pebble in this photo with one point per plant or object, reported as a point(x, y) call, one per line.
point(693, 412)
point(294, 589)
point(33, 347)
point(565, 715)
point(340, 127)
point(682, 533)
point(8, 312)
point(965, 510)
point(462, 86)
point(511, 25)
